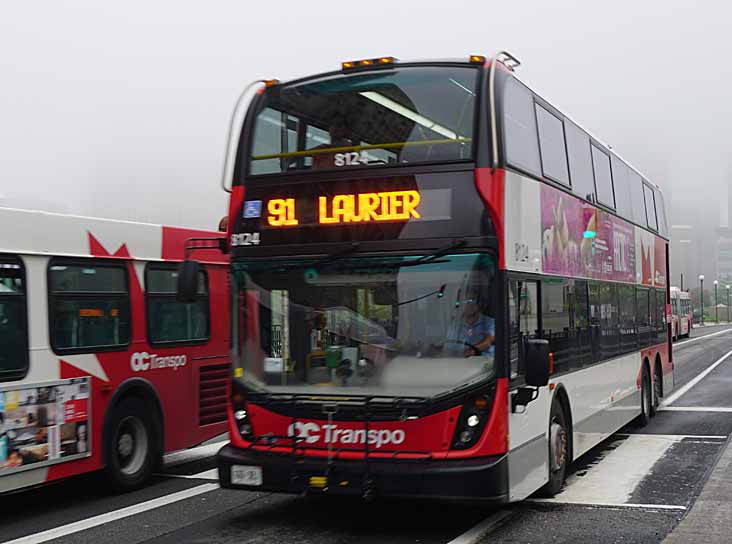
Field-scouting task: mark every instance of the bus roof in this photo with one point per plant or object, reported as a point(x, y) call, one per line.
point(33, 232)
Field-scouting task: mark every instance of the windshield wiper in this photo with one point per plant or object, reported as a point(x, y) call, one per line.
point(317, 263)
point(432, 258)
point(335, 255)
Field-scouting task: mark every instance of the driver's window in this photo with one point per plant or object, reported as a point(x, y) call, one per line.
point(523, 321)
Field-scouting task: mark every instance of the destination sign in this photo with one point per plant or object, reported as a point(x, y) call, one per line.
point(350, 208)
point(298, 214)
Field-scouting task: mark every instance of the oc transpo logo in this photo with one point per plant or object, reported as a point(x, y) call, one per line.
point(312, 432)
point(142, 361)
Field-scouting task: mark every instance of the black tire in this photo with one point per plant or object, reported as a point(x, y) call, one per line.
point(558, 451)
point(646, 399)
point(657, 387)
point(129, 452)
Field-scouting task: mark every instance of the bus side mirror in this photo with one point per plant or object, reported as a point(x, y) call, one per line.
point(538, 363)
point(188, 274)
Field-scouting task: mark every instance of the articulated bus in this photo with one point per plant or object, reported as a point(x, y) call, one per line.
point(441, 286)
point(682, 314)
point(100, 366)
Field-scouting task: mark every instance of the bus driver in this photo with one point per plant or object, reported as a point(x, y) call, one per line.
point(474, 333)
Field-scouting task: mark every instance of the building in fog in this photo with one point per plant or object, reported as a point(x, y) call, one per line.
point(724, 241)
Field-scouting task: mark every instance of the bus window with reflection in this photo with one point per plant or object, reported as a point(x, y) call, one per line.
point(386, 117)
point(391, 326)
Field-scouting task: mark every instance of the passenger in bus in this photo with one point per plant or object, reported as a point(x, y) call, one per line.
point(474, 333)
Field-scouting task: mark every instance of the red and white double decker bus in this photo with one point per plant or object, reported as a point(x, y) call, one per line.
point(442, 286)
point(682, 313)
point(100, 365)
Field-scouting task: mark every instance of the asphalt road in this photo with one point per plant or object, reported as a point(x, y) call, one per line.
point(604, 500)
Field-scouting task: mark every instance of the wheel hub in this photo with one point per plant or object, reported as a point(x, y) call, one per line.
point(558, 445)
point(125, 445)
point(132, 445)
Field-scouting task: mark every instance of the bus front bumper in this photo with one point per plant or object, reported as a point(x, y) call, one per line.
point(482, 479)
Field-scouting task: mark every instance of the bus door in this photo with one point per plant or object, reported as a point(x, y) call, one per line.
point(527, 424)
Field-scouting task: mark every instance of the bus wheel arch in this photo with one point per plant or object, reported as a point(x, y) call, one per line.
point(559, 436)
point(134, 410)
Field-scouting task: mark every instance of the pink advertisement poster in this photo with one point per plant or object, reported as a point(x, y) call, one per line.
point(581, 241)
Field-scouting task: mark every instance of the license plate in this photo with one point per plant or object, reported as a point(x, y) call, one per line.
point(246, 475)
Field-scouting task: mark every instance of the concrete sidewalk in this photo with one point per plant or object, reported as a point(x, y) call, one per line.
point(710, 519)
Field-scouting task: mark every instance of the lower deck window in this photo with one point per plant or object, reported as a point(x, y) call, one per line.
point(13, 320)
point(89, 307)
point(170, 321)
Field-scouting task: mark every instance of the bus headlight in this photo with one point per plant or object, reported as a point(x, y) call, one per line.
point(473, 419)
point(239, 411)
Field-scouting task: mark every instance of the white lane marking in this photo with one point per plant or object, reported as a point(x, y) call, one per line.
point(679, 345)
point(699, 377)
point(474, 534)
point(193, 454)
point(697, 408)
point(84, 524)
point(614, 477)
point(681, 436)
point(212, 474)
point(615, 505)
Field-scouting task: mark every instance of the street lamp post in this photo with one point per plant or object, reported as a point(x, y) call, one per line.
point(716, 303)
point(727, 286)
point(701, 282)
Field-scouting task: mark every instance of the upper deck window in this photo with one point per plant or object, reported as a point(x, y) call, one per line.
point(580, 162)
point(651, 218)
point(661, 213)
point(603, 178)
point(398, 116)
point(519, 128)
point(553, 146)
point(621, 182)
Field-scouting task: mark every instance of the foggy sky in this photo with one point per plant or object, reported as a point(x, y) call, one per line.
point(121, 109)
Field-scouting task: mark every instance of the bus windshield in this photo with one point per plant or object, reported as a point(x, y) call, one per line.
point(384, 117)
point(396, 326)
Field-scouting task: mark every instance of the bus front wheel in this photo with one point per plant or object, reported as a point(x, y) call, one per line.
point(129, 451)
point(558, 451)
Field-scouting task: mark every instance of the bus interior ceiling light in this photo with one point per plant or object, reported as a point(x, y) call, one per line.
point(409, 114)
point(365, 63)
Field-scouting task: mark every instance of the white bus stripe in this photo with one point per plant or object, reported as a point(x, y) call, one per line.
point(101, 519)
point(699, 377)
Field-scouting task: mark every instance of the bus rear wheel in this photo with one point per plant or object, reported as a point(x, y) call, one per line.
point(646, 398)
point(558, 451)
point(129, 451)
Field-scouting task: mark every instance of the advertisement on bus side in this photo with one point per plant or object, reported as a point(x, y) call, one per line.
point(581, 240)
point(44, 424)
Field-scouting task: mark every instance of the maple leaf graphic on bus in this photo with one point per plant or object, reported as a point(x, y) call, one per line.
point(110, 366)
